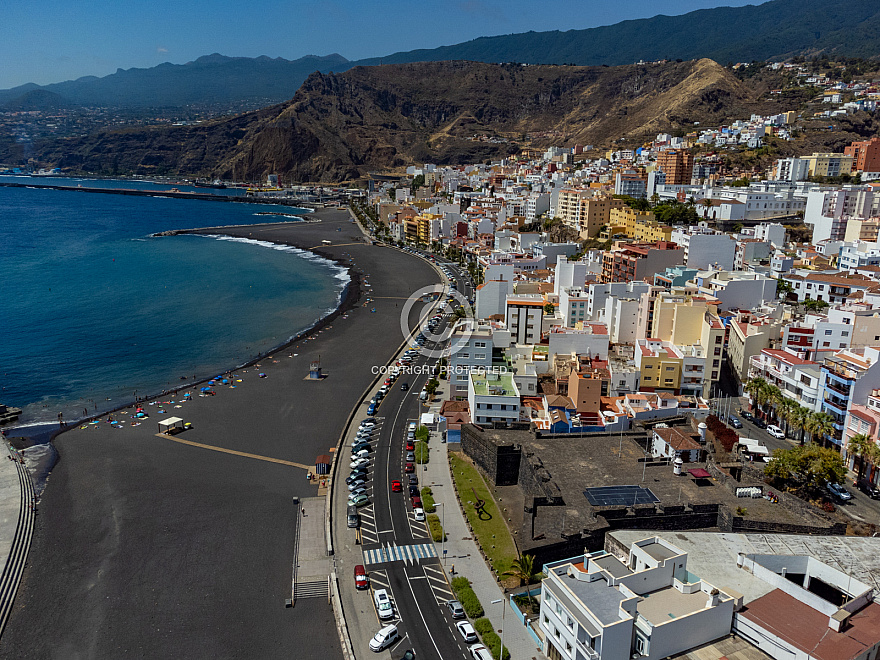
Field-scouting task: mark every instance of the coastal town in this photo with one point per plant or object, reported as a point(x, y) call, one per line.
point(475, 352)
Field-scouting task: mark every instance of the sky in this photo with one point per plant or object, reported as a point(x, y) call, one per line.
point(54, 40)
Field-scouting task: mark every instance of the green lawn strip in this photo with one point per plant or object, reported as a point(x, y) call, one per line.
point(428, 500)
point(492, 535)
point(465, 595)
point(437, 533)
point(421, 452)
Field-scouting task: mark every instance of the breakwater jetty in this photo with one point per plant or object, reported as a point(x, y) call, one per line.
point(173, 193)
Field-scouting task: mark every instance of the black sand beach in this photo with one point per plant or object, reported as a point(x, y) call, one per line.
point(145, 547)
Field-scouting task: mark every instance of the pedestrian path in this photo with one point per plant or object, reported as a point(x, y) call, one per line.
point(17, 504)
point(411, 554)
point(463, 558)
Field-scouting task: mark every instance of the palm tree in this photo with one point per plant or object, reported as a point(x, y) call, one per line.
point(784, 408)
point(799, 416)
point(824, 426)
point(754, 387)
point(774, 397)
point(523, 568)
point(866, 450)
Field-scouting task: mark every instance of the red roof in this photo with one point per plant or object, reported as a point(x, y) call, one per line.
point(807, 629)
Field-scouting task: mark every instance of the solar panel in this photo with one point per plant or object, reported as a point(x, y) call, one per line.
point(620, 496)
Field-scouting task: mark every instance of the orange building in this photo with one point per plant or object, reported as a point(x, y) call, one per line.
point(678, 165)
point(865, 155)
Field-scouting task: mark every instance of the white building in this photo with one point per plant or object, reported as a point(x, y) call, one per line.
point(705, 249)
point(828, 211)
point(524, 315)
point(601, 607)
point(737, 289)
point(598, 295)
point(493, 397)
point(473, 353)
point(792, 169)
point(569, 274)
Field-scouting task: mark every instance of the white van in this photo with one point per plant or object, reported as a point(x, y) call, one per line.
point(383, 604)
point(385, 638)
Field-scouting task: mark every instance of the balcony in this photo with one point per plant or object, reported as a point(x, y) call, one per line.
point(834, 387)
point(841, 369)
point(589, 653)
point(836, 405)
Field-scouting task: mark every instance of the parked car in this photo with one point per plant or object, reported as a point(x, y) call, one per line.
point(760, 423)
point(383, 604)
point(467, 631)
point(357, 492)
point(775, 431)
point(419, 514)
point(358, 462)
point(478, 652)
point(396, 486)
point(384, 638)
point(409, 467)
point(409, 654)
point(354, 518)
point(410, 456)
point(413, 490)
point(360, 500)
point(410, 445)
point(869, 489)
point(361, 581)
point(359, 447)
point(372, 409)
point(839, 492)
point(734, 422)
point(357, 475)
point(455, 609)
point(413, 479)
point(745, 414)
point(416, 502)
point(357, 483)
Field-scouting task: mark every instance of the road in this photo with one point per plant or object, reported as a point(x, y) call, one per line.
point(397, 550)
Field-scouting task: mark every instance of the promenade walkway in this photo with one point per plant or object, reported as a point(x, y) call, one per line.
point(17, 506)
point(463, 554)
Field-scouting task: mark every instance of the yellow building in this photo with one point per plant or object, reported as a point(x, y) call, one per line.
point(423, 226)
point(659, 364)
point(585, 210)
point(829, 164)
point(639, 225)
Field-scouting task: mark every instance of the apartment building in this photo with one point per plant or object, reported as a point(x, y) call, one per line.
point(825, 164)
point(524, 315)
point(798, 379)
point(493, 397)
point(848, 377)
point(736, 289)
point(641, 226)
point(830, 287)
point(791, 169)
point(640, 261)
point(586, 210)
point(858, 255)
point(660, 365)
point(599, 294)
point(630, 183)
point(677, 164)
point(750, 251)
point(864, 419)
point(473, 352)
point(865, 155)
point(747, 339)
point(647, 605)
point(705, 248)
point(829, 211)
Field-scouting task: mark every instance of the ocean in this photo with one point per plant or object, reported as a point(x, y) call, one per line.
point(96, 311)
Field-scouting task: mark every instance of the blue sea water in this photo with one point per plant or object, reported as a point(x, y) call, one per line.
point(96, 311)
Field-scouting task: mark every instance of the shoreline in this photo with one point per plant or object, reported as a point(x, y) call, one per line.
point(347, 300)
point(152, 536)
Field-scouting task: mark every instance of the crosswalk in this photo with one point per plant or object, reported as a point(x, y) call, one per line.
point(411, 554)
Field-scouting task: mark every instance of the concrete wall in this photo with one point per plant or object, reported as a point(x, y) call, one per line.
point(689, 631)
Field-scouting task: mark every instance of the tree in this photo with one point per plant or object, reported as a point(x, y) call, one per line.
point(820, 425)
point(417, 182)
point(756, 388)
point(866, 450)
point(432, 386)
point(813, 305)
point(549, 308)
point(523, 568)
point(783, 288)
point(811, 466)
point(738, 227)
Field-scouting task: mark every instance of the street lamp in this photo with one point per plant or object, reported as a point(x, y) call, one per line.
point(503, 608)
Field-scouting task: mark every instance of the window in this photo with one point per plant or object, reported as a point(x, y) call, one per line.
point(714, 375)
point(825, 343)
point(670, 368)
point(556, 632)
point(718, 339)
point(827, 332)
point(842, 345)
point(646, 378)
point(717, 351)
point(715, 363)
point(568, 647)
point(845, 333)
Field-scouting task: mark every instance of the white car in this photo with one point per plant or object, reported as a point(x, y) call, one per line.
point(383, 604)
point(384, 638)
point(478, 652)
point(419, 514)
point(358, 462)
point(467, 631)
point(775, 431)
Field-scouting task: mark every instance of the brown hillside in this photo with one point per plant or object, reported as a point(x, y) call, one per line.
point(339, 126)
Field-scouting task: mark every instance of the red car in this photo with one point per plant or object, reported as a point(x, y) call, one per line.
point(396, 486)
point(416, 502)
point(409, 467)
point(410, 446)
point(361, 581)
